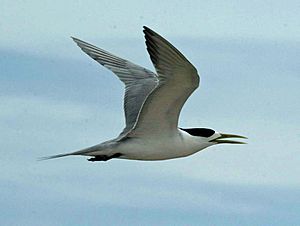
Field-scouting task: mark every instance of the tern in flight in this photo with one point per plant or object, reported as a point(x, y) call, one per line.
point(152, 104)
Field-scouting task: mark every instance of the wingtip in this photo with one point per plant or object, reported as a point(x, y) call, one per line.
point(75, 39)
point(147, 28)
point(149, 31)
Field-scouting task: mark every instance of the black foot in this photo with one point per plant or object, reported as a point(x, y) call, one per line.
point(104, 157)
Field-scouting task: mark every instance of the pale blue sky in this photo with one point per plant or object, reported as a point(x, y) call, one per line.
point(54, 99)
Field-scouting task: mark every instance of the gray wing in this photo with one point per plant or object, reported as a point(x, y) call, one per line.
point(139, 82)
point(178, 78)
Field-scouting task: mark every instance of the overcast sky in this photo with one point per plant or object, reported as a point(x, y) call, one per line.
point(54, 98)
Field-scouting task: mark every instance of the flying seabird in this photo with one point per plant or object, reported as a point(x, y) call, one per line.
point(152, 104)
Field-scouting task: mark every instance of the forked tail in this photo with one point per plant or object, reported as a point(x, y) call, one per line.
point(80, 152)
point(54, 156)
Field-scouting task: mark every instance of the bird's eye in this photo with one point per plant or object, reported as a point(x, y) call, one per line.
point(200, 132)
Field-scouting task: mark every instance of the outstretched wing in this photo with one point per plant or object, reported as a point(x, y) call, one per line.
point(178, 78)
point(139, 82)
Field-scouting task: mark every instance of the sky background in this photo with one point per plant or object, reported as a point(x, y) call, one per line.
point(54, 99)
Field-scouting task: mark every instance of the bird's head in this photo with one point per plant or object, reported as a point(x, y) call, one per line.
point(214, 137)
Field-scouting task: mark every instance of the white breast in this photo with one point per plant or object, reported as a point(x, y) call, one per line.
point(162, 147)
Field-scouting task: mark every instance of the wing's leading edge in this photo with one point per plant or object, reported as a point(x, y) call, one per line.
point(178, 78)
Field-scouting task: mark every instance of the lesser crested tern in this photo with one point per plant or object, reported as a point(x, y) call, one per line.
point(152, 104)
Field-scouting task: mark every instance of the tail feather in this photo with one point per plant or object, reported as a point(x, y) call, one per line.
point(80, 152)
point(54, 156)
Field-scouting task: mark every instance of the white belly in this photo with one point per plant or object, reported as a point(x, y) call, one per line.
point(152, 148)
point(160, 148)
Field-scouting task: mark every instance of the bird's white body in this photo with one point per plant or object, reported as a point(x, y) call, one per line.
point(152, 104)
point(160, 147)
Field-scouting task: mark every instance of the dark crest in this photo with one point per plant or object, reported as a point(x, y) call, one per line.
point(200, 132)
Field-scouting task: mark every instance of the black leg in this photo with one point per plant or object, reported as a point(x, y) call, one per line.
point(104, 157)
